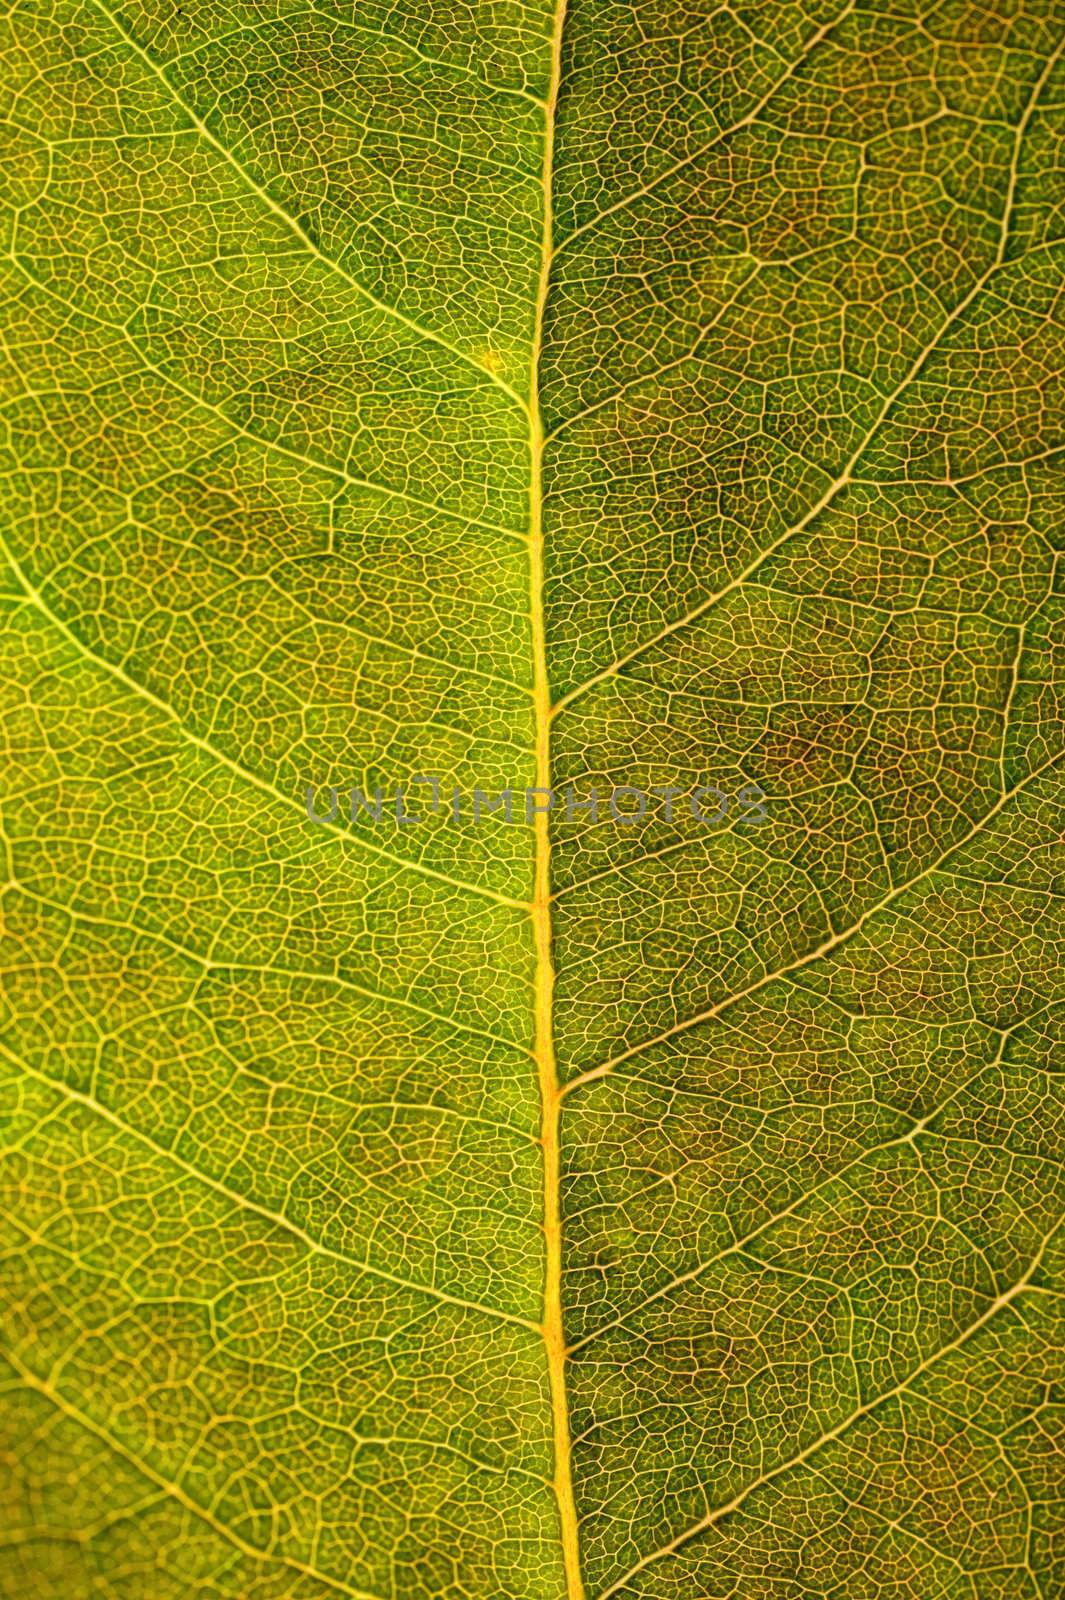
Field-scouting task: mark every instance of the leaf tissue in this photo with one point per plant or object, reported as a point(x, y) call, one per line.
point(451, 397)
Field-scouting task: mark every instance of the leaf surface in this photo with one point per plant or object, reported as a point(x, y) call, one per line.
point(640, 394)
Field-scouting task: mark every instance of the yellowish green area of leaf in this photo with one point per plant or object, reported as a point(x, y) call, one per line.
point(640, 393)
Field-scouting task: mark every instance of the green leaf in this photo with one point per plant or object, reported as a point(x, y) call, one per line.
point(646, 395)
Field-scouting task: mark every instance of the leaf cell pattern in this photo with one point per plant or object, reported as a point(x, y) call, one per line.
point(646, 392)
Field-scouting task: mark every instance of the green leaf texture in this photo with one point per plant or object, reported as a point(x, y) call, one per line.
point(656, 392)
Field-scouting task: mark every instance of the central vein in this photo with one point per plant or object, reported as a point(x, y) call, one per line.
point(544, 1040)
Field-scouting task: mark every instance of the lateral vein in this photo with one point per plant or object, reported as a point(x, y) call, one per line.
point(170, 1486)
point(290, 222)
point(847, 475)
point(276, 1219)
point(1000, 1303)
point(142, 691)
point(824, 949)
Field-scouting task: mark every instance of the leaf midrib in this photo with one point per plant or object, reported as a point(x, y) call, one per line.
point(540, 908)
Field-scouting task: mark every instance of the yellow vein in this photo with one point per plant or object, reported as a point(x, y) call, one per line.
point(290, 222)
point(544, 1039)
